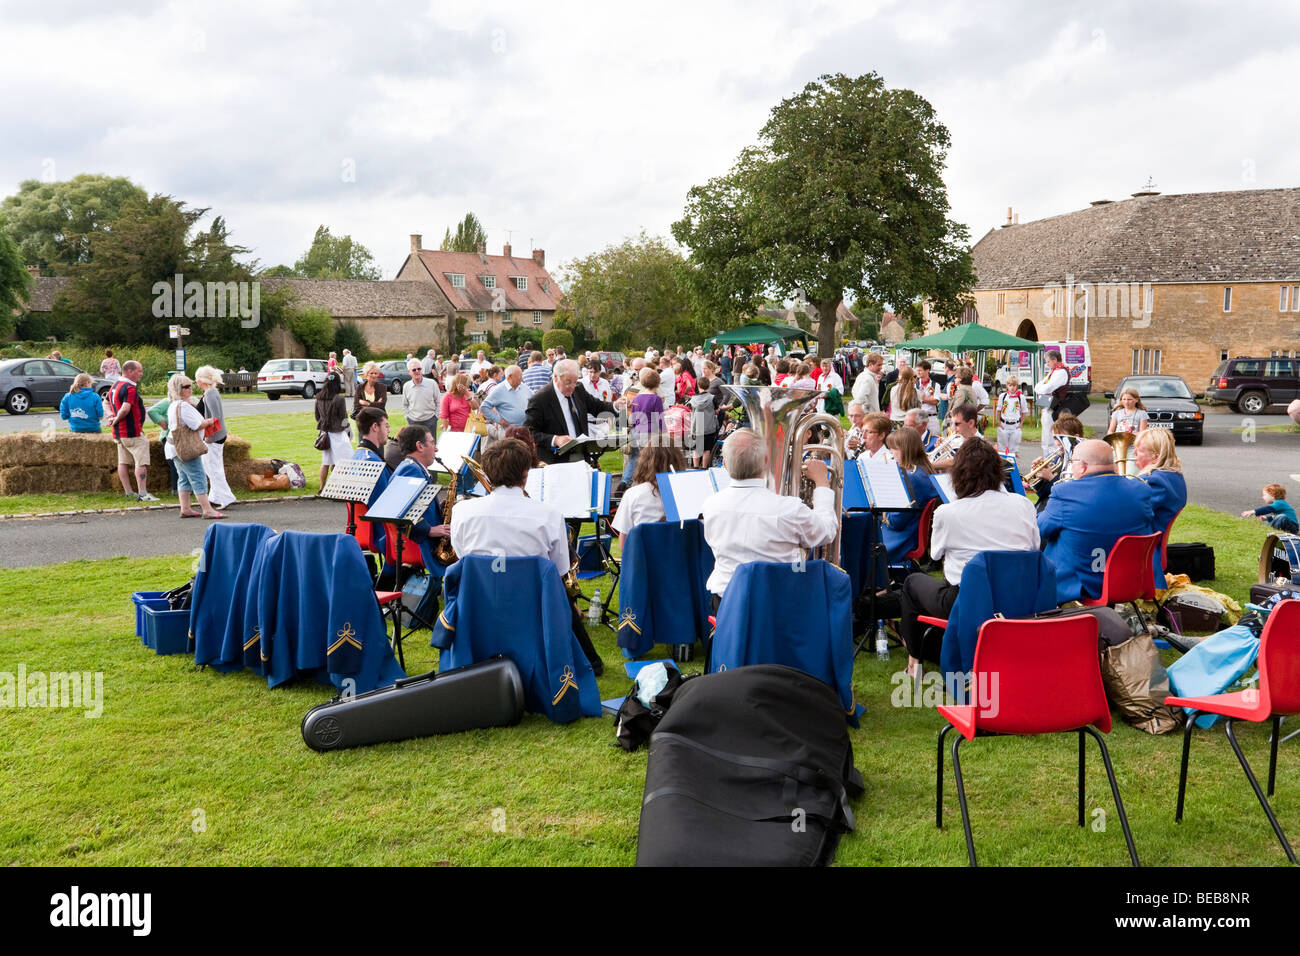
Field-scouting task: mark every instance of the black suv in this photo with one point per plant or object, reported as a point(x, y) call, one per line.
point(1250, 385)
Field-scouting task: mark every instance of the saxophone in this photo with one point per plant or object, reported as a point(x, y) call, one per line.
point(443, 552)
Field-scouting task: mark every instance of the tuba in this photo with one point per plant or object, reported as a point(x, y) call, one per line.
point(1121, 446)
point(782, 418)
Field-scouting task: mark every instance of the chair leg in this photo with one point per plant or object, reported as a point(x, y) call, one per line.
point(1272, 754)
point(1182, 773)
point(1114, 789)
point(1263, 800)
point(938, 780)
point(1081, 755)
point(961, 799)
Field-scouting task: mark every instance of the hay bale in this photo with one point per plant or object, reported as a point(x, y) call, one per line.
point(23, 448)
point(237, 449)
point(43, 479)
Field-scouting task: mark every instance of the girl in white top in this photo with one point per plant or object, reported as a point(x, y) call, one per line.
point(641, 502)
point(1129, 415)
point(903, 397)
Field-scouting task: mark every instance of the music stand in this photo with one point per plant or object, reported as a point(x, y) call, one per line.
point(877, 511)
point(402, 523)
point(353, 481)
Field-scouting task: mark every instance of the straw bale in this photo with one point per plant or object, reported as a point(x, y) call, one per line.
point(41, 479)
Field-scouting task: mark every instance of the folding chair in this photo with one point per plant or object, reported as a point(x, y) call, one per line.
point(1048, 681)
point(1277, 696)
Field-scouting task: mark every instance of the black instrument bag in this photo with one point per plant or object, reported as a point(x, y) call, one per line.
point(487, 694)
point(1194, 560)
point(751, 767)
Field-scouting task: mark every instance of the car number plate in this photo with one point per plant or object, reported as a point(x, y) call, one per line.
point(1168, 425)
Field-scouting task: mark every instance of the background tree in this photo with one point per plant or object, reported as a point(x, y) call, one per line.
point(336, 257)
point(633, 294)
point(470, 236)
point(844, 192)
point(53, 223)
point(869, 310)
point(15, 285)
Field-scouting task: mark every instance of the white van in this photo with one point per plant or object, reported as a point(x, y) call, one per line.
point(1076, 355)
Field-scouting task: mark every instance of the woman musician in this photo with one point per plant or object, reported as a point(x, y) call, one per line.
point(899, 531)
point(1160, 468)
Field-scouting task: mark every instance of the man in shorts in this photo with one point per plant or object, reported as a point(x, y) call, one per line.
point(128, 431)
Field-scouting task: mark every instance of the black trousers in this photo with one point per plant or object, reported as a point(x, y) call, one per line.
point(923, 594)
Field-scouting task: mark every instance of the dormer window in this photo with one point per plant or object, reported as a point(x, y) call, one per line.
point(489, 282)
point(457, 280)
point(521, 283)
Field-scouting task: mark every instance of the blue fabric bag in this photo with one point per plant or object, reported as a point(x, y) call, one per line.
point(1214, 665)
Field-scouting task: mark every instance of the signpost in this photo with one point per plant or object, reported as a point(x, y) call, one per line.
point(178, 333)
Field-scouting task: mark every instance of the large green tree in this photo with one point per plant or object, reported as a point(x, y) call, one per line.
point(844, 192)
point(15, 284)
point(633, 294)
point(336, 257)
point(54, 223)
point(470, 236)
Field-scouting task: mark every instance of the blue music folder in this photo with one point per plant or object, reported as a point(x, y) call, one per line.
point(392, 505)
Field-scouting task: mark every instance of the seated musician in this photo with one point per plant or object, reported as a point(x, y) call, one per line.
point(507, 523)
point(748, 522)
point(898, 531)
point(641, 502)
point(372, 426)
point(919, 422)
point(965, 420)
point(858, 423)
point(418, 449)
point(875, 429)
point(1085, 517)
point(1066, 424)
point(1160, 467)
point(985, 516)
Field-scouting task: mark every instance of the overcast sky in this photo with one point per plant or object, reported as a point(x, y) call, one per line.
point(578, 124)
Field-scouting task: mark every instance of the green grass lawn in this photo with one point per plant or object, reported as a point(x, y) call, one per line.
point(193, 767)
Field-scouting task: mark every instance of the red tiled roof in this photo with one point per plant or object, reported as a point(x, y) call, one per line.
point(474, 297)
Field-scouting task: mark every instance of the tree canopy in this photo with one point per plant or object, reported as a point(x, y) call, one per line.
point(15, 284)
point(843, 193)
point(469, 236)
point(336, 257)
point(53, 224)
point(633, 294)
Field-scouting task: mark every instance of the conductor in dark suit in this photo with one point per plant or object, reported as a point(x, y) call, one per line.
point(1085, 517)
point(557, 413)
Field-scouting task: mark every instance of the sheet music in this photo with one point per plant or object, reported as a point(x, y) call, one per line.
point(565, 487)
point(943, 481)
point(452, 449)
point(884, 483)
point(688, 490)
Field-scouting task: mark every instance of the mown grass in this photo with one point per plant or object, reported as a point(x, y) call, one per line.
point(176, 747)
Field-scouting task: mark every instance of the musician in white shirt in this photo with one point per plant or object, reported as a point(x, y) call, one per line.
point(748, 522)
point(984, 516)
point(875, 429)
point(1058, 376)
point(641, 503)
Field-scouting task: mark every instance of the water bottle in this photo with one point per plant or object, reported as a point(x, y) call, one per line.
point(593, 609)
point(882, 642)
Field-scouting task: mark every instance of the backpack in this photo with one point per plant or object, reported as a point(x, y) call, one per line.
point(751, 766)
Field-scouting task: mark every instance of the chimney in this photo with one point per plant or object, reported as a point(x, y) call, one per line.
point(1016, 221)
point(539, 256)
point(505, 250)
point(1100, 202)
point(482, 248)
point(1008, 215)
point(416, 239)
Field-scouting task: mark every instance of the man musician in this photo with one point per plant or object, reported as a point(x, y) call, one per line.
point(965, 420)
point(558, 412)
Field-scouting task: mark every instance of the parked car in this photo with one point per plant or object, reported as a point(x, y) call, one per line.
point(611, 360)
point(298, 376)
point(39, 383)
point(1251, 385)
point(395, 375)
point(1170, 405)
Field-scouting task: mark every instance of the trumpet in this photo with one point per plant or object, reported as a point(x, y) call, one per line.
point(1053, 465)
point(945, 449)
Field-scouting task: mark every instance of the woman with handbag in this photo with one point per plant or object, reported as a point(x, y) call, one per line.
point(186, 447)
point(214, 464)
point(456, 405)
point(333, 440)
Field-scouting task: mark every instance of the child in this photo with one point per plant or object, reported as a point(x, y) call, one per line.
point(704, 424)
point(1130, 414)
point(1276, 510)
point(1011, 410)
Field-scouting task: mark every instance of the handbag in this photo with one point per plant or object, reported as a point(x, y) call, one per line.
point(322, 442)
point(188, 442)
point(476, 424)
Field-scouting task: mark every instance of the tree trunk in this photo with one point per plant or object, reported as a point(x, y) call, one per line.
point(827, 340)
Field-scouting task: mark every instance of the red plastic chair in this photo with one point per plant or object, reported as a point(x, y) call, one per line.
point(1164, 541)
point(1130, 573)
point(1277, 696)
point(1035, 677)
point(924, 526)
point(363, 531)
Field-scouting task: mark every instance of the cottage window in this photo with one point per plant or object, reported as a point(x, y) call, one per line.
point(521, 283)
point(457, 280)
point(537, 318)
point(1146, 362)
point(1227, 298)
point(505, 318)
point(489, 282)
point(482, 317)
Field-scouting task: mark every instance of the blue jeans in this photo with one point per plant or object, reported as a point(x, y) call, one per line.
point(1281, 522)
point(633, 453)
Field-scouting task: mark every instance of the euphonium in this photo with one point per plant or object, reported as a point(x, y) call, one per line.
point(1121, 445)
point(782, 419)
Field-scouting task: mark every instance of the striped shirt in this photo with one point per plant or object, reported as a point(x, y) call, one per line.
point(132, 424)
point(537, 377)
